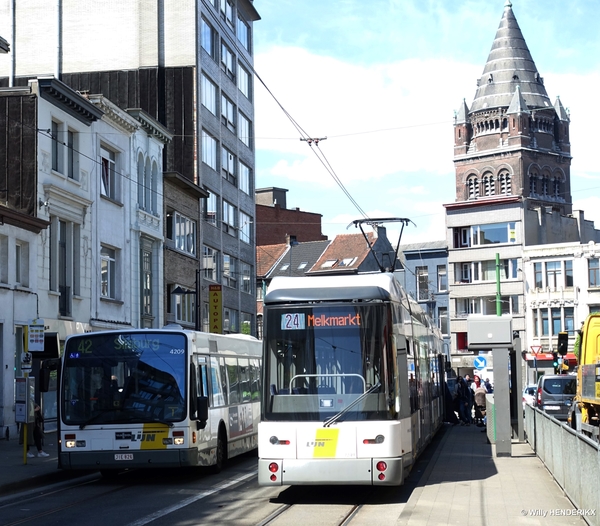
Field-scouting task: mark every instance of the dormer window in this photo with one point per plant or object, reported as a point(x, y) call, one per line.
point(347, 262)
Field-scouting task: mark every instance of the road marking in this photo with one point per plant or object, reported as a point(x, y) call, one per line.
point(166, 511)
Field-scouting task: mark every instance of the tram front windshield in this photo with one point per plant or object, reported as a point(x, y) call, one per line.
point(125, 377)
point(320, 359)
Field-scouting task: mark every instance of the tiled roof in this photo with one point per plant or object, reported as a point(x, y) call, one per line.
point(267, 256)
point(345, 253)
point(299, 259)
point(428, 245)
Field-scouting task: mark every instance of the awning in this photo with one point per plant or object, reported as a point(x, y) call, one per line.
point(547, 356)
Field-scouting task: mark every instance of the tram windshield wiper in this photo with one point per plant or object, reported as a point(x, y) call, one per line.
point(339, 415)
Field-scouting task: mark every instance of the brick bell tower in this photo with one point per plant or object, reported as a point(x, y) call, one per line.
point(512, 141)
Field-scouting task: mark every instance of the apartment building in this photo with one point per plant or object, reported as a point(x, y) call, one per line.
point(189, 66)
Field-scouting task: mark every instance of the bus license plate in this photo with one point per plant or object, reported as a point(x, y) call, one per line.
point(123, 456)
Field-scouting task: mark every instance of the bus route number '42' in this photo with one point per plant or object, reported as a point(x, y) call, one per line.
point(292, 321)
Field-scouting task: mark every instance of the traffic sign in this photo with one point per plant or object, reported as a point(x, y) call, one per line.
point(479, 362)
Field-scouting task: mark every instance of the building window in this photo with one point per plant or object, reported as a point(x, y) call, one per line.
point(229, 218)
point(568, 273)
point(210, 209)
point(246, 328)
point(244, 130)
point(208, 37)
point(443, 320)
point(554, 274)
point(556, 185)
point(22, 263)
point(243, 33)
point(422, 283)
point(57, 147)
point(108, 179)
point(569, 319)
point(3, 259)
point(490, 234)
point(108, 270)
point(442, 278)
point(146, 284)
point(537, 270)
point(556, 320)
point(594, 272)
point(209, 150)
point(244, 175)
point(227, 61)
point(65, 262)
point(72, 155)
point(210, 259)
point(245, 227)
point(544, 318)
point(532, 185)
point(243, 81)
point(227, 113)
point(230, 320)
point(228, 164)
point(227, 12)
point(229, 271)
point(209, 94)
point(185, 307)
point(182, 232)
point(473, 186)
point(246, 273)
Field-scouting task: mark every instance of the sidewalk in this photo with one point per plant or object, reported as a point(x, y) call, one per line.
point(17, 476)
point(465, 484)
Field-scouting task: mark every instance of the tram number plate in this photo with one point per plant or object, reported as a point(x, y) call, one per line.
point(123, 456)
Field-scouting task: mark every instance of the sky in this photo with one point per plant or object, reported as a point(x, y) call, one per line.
point(381, 80)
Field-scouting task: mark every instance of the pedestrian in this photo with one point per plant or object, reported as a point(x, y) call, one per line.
point(463, 400)
point(35, 434)
point(479, 397)
point(488, 386)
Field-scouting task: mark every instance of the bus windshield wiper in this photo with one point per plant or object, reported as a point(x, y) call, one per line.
point(339, 415)
point(151, 419)
point(95, 417)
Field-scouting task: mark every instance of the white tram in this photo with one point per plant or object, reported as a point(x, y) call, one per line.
point(157, 398)
point(352, 371)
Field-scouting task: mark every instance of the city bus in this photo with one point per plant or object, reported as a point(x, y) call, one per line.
point(153, 398)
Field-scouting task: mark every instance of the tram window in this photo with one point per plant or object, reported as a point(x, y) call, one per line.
point(217, 382)
point(244, 374)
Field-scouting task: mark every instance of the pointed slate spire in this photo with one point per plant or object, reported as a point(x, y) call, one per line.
point(462, 115)
point(517, 104)
point(509, 64)
point(560, 110)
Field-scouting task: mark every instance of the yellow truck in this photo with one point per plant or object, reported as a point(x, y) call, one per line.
point(585, 414)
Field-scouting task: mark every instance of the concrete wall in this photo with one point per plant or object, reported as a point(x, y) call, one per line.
point(573, 460)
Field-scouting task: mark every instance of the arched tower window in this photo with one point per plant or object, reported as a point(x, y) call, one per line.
point(473, 187)
point(556, 187)
point(505, 187)
point(488, 185)
point(544, 191)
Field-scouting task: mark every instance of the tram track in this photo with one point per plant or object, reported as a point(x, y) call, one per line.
point(281, 512)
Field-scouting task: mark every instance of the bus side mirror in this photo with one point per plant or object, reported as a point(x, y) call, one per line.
point(202, 404)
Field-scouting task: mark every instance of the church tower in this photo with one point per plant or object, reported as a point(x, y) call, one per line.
point(512, 141)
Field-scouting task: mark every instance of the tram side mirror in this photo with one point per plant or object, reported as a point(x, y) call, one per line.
point(202, 404)
point(44, 374)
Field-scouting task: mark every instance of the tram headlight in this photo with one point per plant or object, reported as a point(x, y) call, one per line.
point(69, 443)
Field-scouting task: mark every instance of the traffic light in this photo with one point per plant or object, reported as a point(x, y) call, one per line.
point(555, 362)
point(563, 343)
point(565, 365)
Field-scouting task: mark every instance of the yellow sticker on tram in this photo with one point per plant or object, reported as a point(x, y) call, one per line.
point(326, 441)
point(152, 436)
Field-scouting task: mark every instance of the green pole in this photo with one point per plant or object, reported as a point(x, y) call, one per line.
point(498, 302)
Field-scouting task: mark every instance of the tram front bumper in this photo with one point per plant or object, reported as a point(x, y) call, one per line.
point(359, 471)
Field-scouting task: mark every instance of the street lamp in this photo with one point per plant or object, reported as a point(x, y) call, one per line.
point(181, 291)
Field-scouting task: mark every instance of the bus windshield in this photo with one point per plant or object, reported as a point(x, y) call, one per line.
point(319, 359)
point(124, 377)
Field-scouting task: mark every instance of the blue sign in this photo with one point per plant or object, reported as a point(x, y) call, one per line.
point(480, 362)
